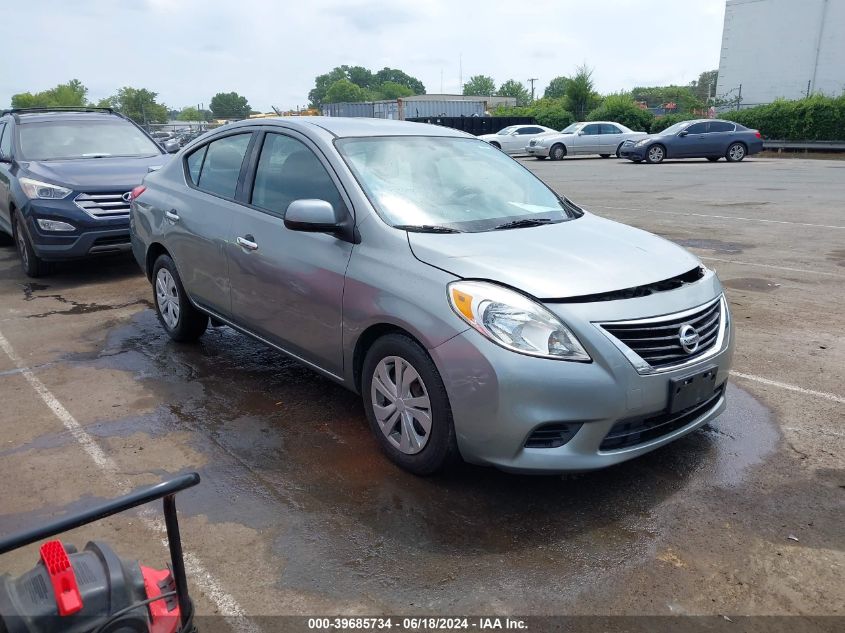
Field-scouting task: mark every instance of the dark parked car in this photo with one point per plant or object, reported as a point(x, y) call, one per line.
point(65, 178)
point(705, 138)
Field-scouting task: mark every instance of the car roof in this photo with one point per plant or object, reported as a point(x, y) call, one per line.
point(52, 115)
point(354, 126)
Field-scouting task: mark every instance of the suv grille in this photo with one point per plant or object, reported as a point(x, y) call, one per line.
point(658, 342)
point(103, 205)
point(627, 433)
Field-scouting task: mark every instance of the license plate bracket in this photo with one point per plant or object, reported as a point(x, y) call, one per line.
point(691, 390)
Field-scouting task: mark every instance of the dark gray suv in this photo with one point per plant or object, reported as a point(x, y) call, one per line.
point(65, 178)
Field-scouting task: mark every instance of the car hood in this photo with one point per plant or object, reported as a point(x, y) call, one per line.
point(95, 174)
point(585, 256)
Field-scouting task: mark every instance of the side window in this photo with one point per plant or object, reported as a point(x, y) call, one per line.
point(222, 165)
point(608, 128)
point(288, 170)
point(194, 162)
point(593, 128)
point(697, 128)
point(530, 130)
point(5, 140)
point(722, 126)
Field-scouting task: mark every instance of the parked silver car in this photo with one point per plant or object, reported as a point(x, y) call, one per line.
point(477, 312)
point(514, 138)
point(595, 137)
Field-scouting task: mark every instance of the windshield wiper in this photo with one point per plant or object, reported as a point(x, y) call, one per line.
point(426, 228)
point(524, 223)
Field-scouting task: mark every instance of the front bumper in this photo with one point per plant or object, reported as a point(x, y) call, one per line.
point(632, 152)
point(499, 398)
point(536, 150)
point(92, 236)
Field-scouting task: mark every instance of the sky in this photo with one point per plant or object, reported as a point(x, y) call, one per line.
point(270, 51)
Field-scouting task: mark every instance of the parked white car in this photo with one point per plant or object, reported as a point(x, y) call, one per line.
point(594, 137)
point(514, 138)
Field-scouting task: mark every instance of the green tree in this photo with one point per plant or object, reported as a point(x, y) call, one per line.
point(480, 85)
point(139, 104)
point(190, 114)
point(72, 93)
point(705, 86)
point(396, 76)
point(580, 96)
point(344, 91)
point(622, 109)
point(393, 90)
point(548, 112)
point(513, 88)
point(683, 97)
point(229, 105)
point(556, 88)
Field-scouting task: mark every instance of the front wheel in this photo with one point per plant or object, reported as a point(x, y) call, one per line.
point(407, 406)
point(655, 154)
point(557, 152)
point(736, 152)
point(179, 318)
point(33, 266)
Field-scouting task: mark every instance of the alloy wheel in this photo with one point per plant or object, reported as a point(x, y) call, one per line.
point(167, 298)
point(655, 154)
point(737, 152)
point(401, 404)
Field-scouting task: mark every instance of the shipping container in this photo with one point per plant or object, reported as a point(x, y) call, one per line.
point(406, 109)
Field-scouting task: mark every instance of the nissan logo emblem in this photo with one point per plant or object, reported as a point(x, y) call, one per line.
point(689, 338)
point(127, 197)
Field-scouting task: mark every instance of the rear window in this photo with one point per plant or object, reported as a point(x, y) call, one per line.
point(92, 138)
point(216, 167)
point(721, 126)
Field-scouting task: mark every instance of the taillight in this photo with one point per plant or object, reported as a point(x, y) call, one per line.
point(757, 134)
point(137, 191)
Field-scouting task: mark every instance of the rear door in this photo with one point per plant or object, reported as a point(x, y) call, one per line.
point(721, 134)
point(611, 137)
point(588, 139)
point(198, 222)
point(287, 286)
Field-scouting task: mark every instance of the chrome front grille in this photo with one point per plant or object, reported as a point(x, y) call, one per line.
point(656, 344)
point(104, 205)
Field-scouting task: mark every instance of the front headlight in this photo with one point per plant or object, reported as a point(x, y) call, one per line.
point(35, 189)
point(514, 321)
point(643, 142)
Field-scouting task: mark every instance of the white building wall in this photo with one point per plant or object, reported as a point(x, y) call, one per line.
point(777, 48)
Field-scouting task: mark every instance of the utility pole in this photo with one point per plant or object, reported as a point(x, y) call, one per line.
point(461, 72)
point(532, 80)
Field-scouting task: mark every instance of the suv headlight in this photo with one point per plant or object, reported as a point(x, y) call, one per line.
point(514, 321)
point(35, 189)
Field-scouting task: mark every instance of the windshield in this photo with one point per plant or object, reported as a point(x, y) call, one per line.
point(54, 140)
point(570, 129)
point(460, 184)
point(674, 129)
point(506, 131)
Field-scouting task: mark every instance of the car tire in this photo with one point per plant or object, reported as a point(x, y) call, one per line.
point(33, 266)
point(655, 154)
point(713, 159)
point(6, 239)
point(557, 152)
point(177, 315)
point(736, 152)
point(403, 438)
point(619, 149)
point(496, 145)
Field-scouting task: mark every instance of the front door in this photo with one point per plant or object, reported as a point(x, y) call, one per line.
point(287, 286)
point(694, 143)
point(588, 139)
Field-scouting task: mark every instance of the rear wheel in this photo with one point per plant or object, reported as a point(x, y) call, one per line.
point(557, 152)
point(407, 406)
point(713, 159)
point(496, 145)
point(655, 154)
point(33, 266)
point(179, 318)
point(619, 149)
point(736, 152)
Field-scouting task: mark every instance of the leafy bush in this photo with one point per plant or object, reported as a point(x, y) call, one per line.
point(549, 112)
point(621, 108)
point(816, 118)
point(660, 123)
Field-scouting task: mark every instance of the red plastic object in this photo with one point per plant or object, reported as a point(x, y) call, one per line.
point(157, 582)
point(137, 191)
point(62, 577)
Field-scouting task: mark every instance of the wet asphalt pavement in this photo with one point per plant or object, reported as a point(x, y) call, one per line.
point(299, 513)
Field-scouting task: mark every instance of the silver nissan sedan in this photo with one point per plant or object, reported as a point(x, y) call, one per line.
point(479, 314)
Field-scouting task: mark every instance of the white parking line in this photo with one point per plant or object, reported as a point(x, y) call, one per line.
point(211, 587)
point(721, 217)
point(783, 385)
point(794, 270)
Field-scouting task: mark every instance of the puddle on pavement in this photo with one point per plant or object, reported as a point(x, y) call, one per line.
point(290, 453)
point(754, 284)
point(75, 307)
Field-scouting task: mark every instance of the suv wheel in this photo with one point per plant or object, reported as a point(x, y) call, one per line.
point(407, 406)
point(33, 266)
point(179, 318)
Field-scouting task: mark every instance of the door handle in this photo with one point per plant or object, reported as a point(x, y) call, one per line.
point(247, 242)
point(172, 215)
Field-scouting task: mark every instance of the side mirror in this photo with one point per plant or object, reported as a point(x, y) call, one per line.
point(683, 133)
point(171, 146)
point(580, 132)
point(314, 216)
